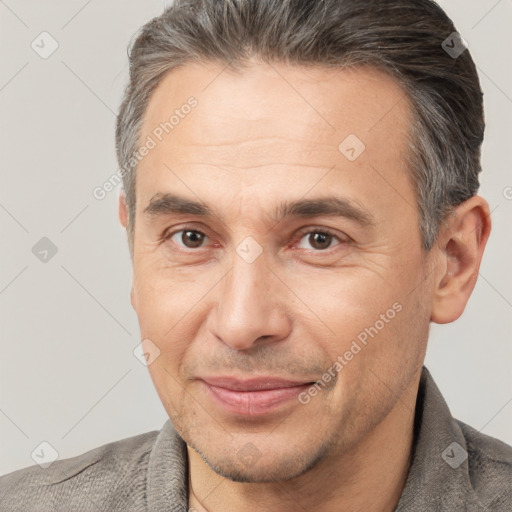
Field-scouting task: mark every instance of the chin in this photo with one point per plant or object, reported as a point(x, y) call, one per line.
point(280, 468)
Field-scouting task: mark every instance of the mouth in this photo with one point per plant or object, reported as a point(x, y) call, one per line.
point(253, 397)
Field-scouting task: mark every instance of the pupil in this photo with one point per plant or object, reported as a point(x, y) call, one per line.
point(321, 238)
point(194, 237)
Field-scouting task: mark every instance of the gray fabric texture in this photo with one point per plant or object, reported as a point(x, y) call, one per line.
point(149, 472)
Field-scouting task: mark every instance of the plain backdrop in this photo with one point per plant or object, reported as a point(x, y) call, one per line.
point(68, 375)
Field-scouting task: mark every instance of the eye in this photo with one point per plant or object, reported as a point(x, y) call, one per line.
point(187, 238)
point(320, 239)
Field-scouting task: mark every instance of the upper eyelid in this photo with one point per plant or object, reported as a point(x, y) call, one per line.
point(318, 229)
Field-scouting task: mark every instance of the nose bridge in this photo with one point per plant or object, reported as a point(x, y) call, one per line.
point(247, 304)
point(243, 297)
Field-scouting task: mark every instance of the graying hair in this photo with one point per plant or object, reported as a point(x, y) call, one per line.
point(401, 37)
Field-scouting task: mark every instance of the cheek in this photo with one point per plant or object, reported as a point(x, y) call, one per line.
point(170, 390)
point(345, 301)
point(366, 320)
point(163, 297)
point(164, 313)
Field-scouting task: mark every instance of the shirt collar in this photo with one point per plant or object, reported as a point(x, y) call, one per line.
point(437, 479)
point(167, 477)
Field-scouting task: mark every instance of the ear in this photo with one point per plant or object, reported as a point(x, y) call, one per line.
point(461, 243)
point(123, 210)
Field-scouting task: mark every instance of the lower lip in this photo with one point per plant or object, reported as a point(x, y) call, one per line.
point(253, 403)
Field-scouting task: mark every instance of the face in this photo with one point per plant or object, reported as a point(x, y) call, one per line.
point(301, 264)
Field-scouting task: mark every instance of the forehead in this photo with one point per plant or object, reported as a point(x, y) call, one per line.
point(276, 128)
point(276, 100)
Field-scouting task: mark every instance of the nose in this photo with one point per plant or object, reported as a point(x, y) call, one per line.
point(251, 305)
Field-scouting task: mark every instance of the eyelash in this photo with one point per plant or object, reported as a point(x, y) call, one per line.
point(300, 235)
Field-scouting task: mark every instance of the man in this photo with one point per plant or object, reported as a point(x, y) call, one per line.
point(300, 184)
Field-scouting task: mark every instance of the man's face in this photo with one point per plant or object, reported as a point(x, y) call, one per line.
point(245, 293)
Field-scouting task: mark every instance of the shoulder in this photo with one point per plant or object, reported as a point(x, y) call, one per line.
point(490, 468)
point(91, 481)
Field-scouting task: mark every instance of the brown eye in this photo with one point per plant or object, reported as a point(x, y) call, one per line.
point(188, 238)
point(318, 240)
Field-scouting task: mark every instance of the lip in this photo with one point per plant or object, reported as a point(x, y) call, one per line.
point(252, 397)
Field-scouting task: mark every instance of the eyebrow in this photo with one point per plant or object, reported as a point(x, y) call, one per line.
point(171, 204)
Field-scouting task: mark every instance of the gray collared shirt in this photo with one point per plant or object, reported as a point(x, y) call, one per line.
point(454, 468)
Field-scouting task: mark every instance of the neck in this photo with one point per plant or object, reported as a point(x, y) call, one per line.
point(369, 477)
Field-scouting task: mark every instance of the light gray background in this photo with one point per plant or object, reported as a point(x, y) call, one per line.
point(67, 372)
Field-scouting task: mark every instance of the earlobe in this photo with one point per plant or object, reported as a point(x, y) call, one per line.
point(461, 244)
point(123, 210)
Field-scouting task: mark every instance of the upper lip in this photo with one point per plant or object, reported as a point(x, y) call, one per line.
point(252, 384)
